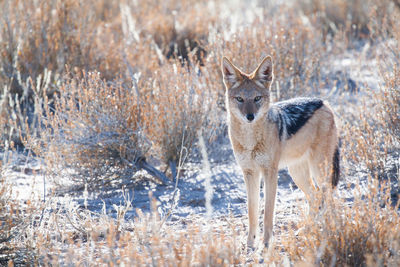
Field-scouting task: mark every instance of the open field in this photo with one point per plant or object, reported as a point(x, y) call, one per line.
point(114, 147)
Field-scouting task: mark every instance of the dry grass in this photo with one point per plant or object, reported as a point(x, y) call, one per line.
point(94, 128)
point(96, 239)
point(178, 107)
point(363, 233)
point(372, 130)
point(354, 20)
point(94, 87)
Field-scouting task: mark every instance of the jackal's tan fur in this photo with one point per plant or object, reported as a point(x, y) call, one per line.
point(261, 148)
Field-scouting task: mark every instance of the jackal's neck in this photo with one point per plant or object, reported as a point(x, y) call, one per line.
point(243, 129)
point(243, 135)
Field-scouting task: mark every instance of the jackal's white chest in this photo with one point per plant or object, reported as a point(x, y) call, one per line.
point(247, 137)
point(253, 152)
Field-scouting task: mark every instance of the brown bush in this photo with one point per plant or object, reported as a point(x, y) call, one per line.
point(371, 131)
point(364, 233)
point(94, 128)
point(52, 34)
point(353, 20)
point(177, 28)
point(180, 104)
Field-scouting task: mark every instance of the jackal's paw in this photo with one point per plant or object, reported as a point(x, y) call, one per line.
point(250, 249)
point(267, 241)
point(251, 238)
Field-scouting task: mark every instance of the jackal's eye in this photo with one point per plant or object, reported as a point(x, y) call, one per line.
point(257, 98)
point(239, 99)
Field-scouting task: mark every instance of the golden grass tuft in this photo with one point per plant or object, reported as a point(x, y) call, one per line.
point(363, 233)
point(179, 106)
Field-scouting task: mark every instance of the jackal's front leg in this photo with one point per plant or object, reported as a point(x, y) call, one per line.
point(252, 180)
point(270, 184)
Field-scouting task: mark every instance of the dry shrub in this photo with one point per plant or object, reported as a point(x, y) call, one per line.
point(52, 34)
point(94, 128)
point(353, 19)
point(388, 97)
point(383, 20)
point(99, 132)
point(115, 38)
point(4, 116)
point(42, 37)
point(178, 28)
point(337, 15)
point(180, 104)
point(389, 107)
point(365, 142)
point(371, 131)
point(90, 35)
point(363, 233)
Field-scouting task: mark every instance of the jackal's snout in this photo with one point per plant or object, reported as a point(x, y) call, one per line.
point(250, 117)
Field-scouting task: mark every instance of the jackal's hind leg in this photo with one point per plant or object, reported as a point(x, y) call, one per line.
point(320, 170)
point(300, 173)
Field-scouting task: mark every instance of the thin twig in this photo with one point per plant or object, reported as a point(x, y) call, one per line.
point(142, 164)
point(207, 174)
point(180, 163)
point(76, 227)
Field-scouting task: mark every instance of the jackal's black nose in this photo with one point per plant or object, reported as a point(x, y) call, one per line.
point(250, 117)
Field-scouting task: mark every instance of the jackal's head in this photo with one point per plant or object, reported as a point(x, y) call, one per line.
point(248, 94)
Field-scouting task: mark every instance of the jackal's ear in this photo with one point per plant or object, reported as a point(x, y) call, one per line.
point(264, 72)
point(231, 73)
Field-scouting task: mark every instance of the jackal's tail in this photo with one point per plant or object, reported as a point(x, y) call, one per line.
point(336, 167)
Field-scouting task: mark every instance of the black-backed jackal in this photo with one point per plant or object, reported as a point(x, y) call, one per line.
point(299, 133)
